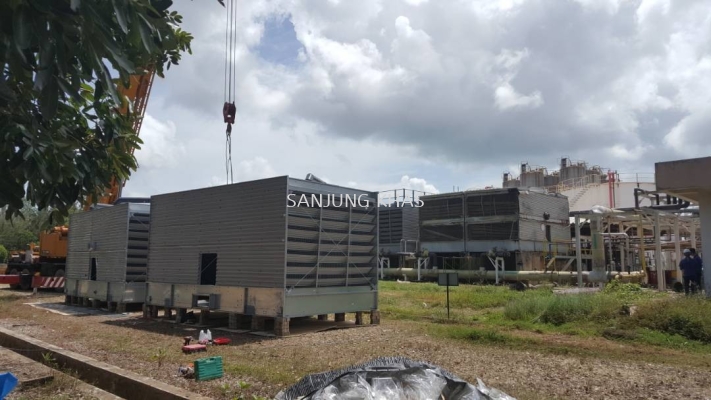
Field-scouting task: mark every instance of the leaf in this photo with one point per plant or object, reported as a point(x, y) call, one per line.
point(28, 153)
point(44, 6)
point(46, 70)
point(161, 5)
point(66, 88)
point(49, 98)
point(119, 57)
point(105, 77)
point(145, 29)
point(5, 91)
point(42, 78)
point(121, 14)
point(75, 5)
point(22, 28)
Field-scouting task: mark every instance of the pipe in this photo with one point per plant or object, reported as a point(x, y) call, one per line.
point(578, 251)
point(510, 276)
point(661, 285)
point(627, 244)
point(677, 247)
point(313, 178)
point(609, 189)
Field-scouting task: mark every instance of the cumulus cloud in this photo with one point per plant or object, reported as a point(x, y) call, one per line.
point(256, 168)
point(380, 90)
point(160, 148)
point(417, 184)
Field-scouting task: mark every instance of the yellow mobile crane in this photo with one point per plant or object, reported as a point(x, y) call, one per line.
point(50, 260)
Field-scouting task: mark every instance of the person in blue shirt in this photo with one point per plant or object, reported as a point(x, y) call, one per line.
point(691, 272)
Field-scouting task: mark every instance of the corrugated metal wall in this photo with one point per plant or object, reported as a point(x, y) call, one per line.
point(78, 258)
point(331, 244)
point(106, 231)
point(397, 223)
point(532, 207)
point(137, 247)
point(410, 223)
point(442, 218)
point(492, 215)
point(109, 234)
point(243, 223)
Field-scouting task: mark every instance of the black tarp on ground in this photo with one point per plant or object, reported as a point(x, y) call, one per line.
point(392, 379)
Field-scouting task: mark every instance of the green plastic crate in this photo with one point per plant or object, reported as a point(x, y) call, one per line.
point(208, 368)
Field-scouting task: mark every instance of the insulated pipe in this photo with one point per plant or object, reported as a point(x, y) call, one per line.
point(661, 285)
point(677, 248)
point(627, 245)
point(598, 250)
point(578, 251)
point(510, 276)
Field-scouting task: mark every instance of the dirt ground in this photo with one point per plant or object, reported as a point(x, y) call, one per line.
point(152, 348)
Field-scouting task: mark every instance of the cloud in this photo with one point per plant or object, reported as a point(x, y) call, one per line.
point(417, 184)
point(256, 168)
point(415, 2)
point(160, 148)
point(452, 93)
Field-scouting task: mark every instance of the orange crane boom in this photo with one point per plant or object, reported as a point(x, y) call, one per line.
point(137, 93)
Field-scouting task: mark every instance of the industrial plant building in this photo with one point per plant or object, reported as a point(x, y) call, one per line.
point(107, 255)
point(584, 185)
point(524, 226)
point(256, 249)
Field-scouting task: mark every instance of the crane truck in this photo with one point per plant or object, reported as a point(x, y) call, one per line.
point(43, 266)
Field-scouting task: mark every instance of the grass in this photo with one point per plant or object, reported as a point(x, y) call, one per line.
point(661, 329)
point(495, 315)
point(428, 301)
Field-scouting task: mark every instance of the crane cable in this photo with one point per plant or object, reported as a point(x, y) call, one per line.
point(229, 109)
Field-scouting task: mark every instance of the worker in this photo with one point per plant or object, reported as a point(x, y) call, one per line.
point(690, 272)
point(699, 266)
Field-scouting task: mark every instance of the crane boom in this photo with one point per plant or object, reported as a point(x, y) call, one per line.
point(137, 93)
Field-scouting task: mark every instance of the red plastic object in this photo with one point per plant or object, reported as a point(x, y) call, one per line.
point(221, 340)
point(191, 348)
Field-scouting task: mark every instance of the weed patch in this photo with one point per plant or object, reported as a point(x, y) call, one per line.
point(686, 317)
point(559, 310)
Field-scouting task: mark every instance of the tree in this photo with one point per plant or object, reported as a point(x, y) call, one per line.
point(62, 137)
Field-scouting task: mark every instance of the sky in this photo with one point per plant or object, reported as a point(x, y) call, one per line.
point(429, 95)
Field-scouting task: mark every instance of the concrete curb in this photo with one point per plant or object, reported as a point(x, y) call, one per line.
point(120, 382)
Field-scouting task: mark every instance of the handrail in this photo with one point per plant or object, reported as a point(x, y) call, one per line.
point(587, 180)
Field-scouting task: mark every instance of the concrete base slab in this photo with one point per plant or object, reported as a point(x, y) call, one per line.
point(76, 311)
point(262, 333)
point(298, 327)
point(232, 330)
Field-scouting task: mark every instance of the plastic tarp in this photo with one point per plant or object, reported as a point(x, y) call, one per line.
point(8, 382)
point(389, 379)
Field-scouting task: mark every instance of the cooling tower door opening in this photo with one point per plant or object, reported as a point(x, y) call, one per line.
point(208, 269)
point(92, 273)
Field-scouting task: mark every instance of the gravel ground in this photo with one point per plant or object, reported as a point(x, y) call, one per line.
point(269, 365)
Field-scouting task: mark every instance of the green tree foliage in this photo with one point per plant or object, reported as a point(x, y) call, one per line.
point(18, 232)
point(61, 136)
point(3, 254)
